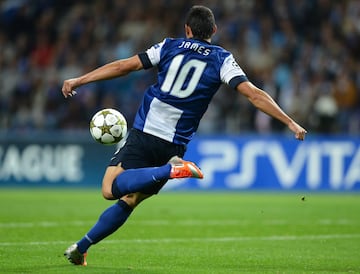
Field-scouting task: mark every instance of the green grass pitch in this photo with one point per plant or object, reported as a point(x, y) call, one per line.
point(197, 232)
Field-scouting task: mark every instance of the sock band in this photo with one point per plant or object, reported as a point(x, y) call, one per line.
point(125, 206)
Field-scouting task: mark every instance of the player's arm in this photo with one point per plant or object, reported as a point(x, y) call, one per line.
point(108, 71)
point(264, 102)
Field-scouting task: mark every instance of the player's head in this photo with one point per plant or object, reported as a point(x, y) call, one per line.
point(200, 23)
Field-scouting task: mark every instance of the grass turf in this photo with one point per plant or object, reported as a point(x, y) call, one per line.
point(184, 233)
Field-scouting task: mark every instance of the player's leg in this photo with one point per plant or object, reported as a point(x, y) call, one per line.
point(109, 221)
point(132, 177)
point(133, 156)
point(116, 215)
point(132, 186)
point(119, 182)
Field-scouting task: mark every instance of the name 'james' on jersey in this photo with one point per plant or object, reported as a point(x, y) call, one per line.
point(190, 72)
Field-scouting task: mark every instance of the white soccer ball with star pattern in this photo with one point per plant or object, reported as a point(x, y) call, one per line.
point(108, 126)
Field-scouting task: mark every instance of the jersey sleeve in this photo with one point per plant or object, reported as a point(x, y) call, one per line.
point(231, 73)
point(151, 57)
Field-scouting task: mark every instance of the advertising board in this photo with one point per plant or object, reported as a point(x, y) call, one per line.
point(249, 162)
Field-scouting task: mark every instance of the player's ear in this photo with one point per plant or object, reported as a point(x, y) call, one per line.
point(214, 29)
point(188, 31)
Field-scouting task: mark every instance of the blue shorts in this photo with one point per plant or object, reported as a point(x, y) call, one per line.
point(145, 150)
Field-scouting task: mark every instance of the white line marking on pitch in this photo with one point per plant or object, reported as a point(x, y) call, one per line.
point(204, 240)
point(324, 222)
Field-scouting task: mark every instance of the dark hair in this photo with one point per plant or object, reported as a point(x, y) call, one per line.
point(201, 20)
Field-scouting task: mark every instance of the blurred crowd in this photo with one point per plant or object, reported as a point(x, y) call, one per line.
point(305, 53)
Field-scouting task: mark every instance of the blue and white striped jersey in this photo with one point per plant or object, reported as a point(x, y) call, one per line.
point(189, 73)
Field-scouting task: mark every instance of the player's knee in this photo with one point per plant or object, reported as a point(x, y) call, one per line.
point(107, 192)
point(110, 191)
point(107, 195)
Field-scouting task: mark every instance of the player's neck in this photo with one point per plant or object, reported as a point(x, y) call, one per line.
point(200, 39)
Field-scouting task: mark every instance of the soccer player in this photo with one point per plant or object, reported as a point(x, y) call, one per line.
point(190, 71)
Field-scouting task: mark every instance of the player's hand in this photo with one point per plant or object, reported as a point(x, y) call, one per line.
point(298, 130)
point(68, 88)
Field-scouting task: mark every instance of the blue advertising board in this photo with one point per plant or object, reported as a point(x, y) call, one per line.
point(249, 162)
point(275, 163)
point(57, 159)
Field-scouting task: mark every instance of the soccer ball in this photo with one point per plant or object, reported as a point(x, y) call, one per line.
point(108, 126)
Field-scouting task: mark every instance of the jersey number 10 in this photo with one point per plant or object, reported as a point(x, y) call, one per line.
point(177, 75)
